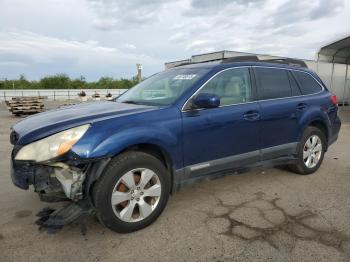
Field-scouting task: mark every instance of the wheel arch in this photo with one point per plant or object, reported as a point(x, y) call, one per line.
point(157, 151)
point(321, 125)
point(317, 118)
point(96, 170)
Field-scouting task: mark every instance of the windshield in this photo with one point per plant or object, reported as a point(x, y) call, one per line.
point(163, 88)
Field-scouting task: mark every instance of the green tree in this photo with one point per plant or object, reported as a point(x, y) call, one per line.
point(62, 81)
point(78, 83)
point(59, 81)
point(22, 83)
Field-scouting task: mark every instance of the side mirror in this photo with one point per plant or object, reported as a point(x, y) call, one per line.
point(206, 100)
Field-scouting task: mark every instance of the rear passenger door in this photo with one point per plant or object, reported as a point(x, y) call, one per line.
point(279, 117)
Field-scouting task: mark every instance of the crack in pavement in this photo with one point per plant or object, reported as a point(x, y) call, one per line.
point(260, 219)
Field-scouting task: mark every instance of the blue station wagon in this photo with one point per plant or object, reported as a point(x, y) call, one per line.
point(120, 160)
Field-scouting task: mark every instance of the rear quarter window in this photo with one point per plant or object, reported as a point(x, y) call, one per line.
point(308, 85)
point(273, 83)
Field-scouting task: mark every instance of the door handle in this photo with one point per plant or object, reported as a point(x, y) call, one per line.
point(301, 107)
point(251, 115)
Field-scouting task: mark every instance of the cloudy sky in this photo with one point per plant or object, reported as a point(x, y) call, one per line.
point(98, 38)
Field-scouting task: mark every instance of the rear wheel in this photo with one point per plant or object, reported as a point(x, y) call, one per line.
point(132, 192)
point(310, 151)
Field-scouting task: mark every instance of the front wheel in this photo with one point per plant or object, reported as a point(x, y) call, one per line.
point(132, 192)
point(310, 151)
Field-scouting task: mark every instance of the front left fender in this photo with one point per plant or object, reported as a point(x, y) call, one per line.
point(116, 143)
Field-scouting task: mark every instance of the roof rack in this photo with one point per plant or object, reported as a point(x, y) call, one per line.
point(203, 62)
point(254, 58)
point(245, 58)
point(288, 61)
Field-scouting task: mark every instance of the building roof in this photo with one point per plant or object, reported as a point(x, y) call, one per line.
point(217, 65)
point(215, 56)
point(336, 52)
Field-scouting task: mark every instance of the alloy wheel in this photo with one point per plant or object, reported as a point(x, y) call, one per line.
point(136, 195)
point(312, 151)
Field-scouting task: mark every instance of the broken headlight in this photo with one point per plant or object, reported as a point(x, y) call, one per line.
point(52, 146)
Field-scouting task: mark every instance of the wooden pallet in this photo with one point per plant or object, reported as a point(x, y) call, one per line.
point(28, 98)
point(23, 102)
point(26, 112)
point(25, 105)
point(35, 103)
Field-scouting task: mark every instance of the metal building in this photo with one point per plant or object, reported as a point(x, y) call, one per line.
point(332, 65)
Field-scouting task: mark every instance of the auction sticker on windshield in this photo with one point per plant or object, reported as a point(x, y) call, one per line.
point(184, 77)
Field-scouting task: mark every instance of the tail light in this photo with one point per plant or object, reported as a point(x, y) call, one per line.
point(334, 100)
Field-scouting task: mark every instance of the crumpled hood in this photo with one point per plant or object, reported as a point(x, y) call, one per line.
point(47, 123)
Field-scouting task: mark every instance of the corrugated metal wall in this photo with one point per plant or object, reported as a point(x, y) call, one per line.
point(335, 83)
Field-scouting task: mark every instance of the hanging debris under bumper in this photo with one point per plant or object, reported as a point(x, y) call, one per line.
point(53, 220)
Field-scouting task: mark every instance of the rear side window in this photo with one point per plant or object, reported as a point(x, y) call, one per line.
point(307, 83)
point(273, 83)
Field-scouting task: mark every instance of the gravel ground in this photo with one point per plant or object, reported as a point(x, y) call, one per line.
point(261, 215)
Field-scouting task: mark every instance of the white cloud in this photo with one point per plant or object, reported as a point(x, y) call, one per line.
point(64, 53)
point(117, 14)
point(45, 49)
point(12, 64)
point(289, 27)
point(107, 37)
point(129, 46)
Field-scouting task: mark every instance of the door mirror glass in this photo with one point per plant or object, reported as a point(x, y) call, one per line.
point(206, 100)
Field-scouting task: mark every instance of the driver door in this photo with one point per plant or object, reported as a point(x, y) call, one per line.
point(227, 136)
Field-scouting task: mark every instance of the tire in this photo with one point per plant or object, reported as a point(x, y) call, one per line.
point(131, 164)
point(301, 167)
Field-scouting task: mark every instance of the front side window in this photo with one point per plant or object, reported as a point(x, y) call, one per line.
point(231, 86)
point(273, 83)
point(307, 83)
point(163, 88)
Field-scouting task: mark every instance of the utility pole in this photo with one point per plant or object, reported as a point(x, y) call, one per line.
point(139, 72)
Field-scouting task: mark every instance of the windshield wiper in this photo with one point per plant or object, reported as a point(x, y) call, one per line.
point(131, 102)
point(145, 103)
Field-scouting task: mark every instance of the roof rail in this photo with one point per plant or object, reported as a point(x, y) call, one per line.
point(287, 61)
point(182, 64)
point(245, 58)
point(254, 58)
point(203, 62)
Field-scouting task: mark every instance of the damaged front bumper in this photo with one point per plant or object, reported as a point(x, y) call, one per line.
point(66, 178)
point(62, 180)
point(53, 182)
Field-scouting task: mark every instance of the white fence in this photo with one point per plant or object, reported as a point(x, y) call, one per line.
point(57, 94)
